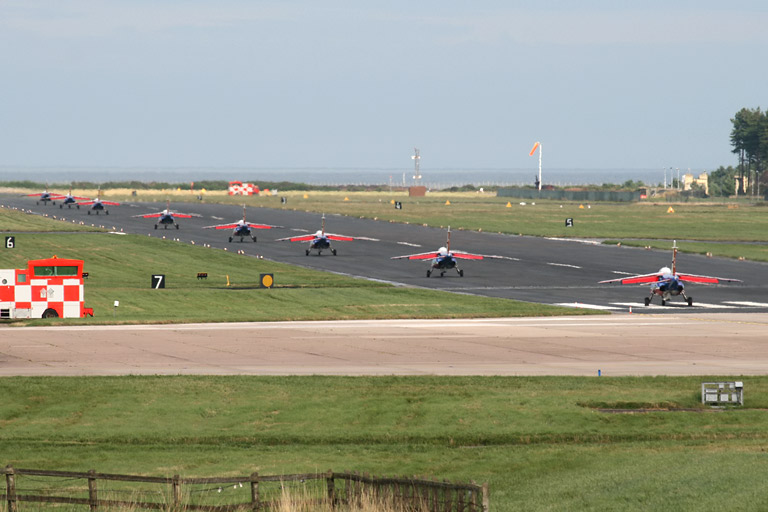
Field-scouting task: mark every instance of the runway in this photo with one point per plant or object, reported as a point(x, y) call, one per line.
point(616, 345)
point(535, 269)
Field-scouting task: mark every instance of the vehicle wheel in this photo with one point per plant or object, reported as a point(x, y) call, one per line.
point(429, 273)
point(50, 313)
point(461, 273)
point(690, 301)
point(663, 302)
point(230, 239)
point(647, 301)
point(333, 251)
point(106, 212)
point(307, 252)
point(155, 226)
point(442, 273)
point(253, 238)
point(177, 226)
point(61, 206)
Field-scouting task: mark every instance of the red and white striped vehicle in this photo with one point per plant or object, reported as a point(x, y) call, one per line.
point(47, 288)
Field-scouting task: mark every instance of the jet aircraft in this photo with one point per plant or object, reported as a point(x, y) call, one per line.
point(322, 240)
point(70, 200)
point(167, 217)
point(46, 196)
point(97, 205)
point(444, 259)
point(667, 283)
point(242, 228)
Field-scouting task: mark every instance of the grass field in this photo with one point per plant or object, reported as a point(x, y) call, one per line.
point(120, 269)
point(541, 443)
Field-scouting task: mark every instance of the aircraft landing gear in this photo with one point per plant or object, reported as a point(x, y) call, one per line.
point(155, 226)
point(177, 226)
point(429, 273)
point(106, 212)
point(442, 273)
point(647, 301)
point(333, 251)
point(253, 238)
point(689, 300)
point(461, 273)
point(663, 302)
point(307, 252)
point(88, 212)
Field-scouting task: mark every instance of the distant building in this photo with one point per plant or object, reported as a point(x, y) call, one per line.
point(703, 181)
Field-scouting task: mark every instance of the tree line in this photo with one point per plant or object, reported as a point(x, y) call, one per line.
point(749, 139)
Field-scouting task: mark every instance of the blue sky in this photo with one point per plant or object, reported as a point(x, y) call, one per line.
point(358, 84)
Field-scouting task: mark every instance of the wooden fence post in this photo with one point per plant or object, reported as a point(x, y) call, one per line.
point(486, 497)
point(331, 487)
point(255, 503)
point(10, 487)
point(176, 491)
point(93, 499)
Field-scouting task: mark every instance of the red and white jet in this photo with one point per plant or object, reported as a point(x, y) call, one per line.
point(97, 205)
point(322, 240)
point(444, 259)
point(667, 283)
point(242, 228)
point(167, 216)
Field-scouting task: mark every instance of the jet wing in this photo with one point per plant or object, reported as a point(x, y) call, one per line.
point(346, 238)
point(149, 215)
point(693, 278)
point(108, 203)
point(638, 279)
point(302, 238)
point(184, 215)
point(470, 256)
point(420, 256)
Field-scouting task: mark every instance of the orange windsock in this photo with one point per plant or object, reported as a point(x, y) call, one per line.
point(534, 149)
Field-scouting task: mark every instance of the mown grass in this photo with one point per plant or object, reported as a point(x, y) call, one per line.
point(747, 251)
point(120, 269)
point(539, 441)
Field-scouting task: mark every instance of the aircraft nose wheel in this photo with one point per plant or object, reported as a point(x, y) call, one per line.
point(333, 251)
point(429, 273)
point(230, 239)
point(647, 301)
point(663, 302)
point(461, 273)
point(307, 252)
point(690, 301)
point(253, 238)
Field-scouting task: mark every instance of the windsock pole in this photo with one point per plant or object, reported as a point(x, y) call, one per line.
point(535, 147)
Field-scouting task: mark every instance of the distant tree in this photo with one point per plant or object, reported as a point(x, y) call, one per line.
point(722, 181)
point(749, 139)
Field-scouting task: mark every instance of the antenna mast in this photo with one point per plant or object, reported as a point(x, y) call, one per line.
point(416, 159)
point(536, 146)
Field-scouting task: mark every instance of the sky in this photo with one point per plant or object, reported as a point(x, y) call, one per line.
point(348, 84)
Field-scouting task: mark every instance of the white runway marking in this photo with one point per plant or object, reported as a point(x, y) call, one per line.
point(563, 265)
point(747, 303)
point(587, 306)
point(675, 304)
point(621, 273)
point(217, 218)
point(409, 244)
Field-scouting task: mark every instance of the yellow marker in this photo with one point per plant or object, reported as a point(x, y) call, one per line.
point(392, 201)
point(581, 206)
point(227, 279)
point(447, 203)
point(509, 204)
point(346, 199)
point(306, 196)
point(670, 210)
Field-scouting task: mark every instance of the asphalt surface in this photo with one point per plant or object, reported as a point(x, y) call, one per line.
point(613, 345)
point(535, 269)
